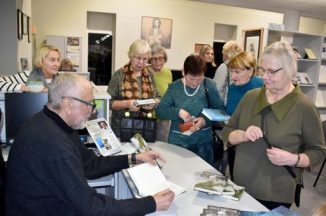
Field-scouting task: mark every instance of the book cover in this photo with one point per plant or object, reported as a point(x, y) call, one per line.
point(144, 102)
point(103, 136)
point(150, 180)
point(216, 114)
point(310, 53)
point(214, 183)
point(224, 211)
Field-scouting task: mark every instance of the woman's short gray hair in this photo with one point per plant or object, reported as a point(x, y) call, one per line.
point(139, 47)
point(158, 48)
point(283, 51)
point(61, 86)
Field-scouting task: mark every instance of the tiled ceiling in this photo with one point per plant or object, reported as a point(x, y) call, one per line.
point(307, 8)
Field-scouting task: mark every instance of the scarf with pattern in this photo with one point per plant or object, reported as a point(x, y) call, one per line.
point(130, 88)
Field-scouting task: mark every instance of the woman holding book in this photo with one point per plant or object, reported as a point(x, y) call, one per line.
point(242, 69)
point(132, 82)
point(275, 129)
point(183, 104)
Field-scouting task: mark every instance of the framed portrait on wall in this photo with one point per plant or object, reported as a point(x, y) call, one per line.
point(157, 30)
point(198, 47)
point(253, 41)
point(19, 24)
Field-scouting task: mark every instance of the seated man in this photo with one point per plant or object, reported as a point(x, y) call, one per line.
point(48, 164)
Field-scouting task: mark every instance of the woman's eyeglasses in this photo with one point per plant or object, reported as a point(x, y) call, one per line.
point(158, 59)
point(139, 59)
point(91, 104)
point(268, 72)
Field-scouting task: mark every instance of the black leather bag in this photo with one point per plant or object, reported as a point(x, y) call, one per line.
point(137, 123)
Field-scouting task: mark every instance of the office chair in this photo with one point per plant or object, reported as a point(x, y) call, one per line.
point(322, 166)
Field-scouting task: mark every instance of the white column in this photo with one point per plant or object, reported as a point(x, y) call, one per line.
point(291, 20)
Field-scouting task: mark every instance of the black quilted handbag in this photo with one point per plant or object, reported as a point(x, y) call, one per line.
point(137, 122)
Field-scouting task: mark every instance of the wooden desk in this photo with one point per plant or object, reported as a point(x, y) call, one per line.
point(183, 168)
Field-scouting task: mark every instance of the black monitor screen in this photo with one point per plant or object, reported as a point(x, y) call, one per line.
point(19, 107)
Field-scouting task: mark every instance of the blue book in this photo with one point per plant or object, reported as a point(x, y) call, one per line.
point(216, 114)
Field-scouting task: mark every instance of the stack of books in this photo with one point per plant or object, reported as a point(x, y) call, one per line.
point(224, 211)
point(217, 184)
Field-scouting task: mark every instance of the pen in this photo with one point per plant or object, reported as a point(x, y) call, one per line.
point(157, 163)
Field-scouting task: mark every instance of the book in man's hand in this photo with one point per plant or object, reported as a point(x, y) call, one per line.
point(150, 180)
point(215, 183)
point(216, 114)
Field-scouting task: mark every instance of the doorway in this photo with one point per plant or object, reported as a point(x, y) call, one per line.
point(100, 57)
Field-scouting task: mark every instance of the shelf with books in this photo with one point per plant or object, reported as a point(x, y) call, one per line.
point(321, 92)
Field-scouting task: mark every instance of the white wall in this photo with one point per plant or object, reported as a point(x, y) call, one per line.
point(193, 22)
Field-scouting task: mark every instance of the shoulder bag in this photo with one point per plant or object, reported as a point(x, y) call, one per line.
point(137, 122)
point(298, 180)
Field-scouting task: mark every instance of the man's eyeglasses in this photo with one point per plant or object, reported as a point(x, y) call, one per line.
point(158, 59)
point(139, 59)
point(269, 72)
point(92, 104)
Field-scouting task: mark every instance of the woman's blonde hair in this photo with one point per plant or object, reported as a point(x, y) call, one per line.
point(139, 47)
point(43, 52)
point(231, 48)
point(243, 60)
point(204, 49)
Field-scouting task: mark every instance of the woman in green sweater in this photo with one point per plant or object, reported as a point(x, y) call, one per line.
point(273, 127)
point(184, 102)
point(163, 78)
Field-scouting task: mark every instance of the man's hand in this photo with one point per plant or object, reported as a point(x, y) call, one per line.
point(163, 199)
point(149, 157)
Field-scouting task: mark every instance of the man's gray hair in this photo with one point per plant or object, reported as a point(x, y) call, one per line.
point(60, 87)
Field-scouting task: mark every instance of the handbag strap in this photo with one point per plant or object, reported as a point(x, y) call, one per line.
point(266, 110)
point(206, 93)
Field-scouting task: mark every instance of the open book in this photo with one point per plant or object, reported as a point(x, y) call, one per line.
point(150, 180)
point(214, 183)
point(103, 136)
point(216, 114)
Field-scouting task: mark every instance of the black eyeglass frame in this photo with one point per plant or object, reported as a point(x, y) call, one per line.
point(270, 72)
point(91, 104)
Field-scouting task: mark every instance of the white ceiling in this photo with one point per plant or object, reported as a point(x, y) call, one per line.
point(307, 8)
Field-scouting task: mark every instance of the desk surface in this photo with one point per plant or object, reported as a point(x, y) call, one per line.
point(183, 168)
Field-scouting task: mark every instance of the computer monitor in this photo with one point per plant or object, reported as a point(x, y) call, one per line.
point(19, 107)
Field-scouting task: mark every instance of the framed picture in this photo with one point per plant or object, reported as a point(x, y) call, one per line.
point(24, 64)
point(157, 30)
point(19, 24)
point(253, 41)
point(198, 47)
point(25, 24)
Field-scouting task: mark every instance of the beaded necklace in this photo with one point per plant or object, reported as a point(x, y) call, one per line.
point(185, 90)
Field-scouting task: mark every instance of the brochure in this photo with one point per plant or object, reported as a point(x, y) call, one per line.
point(103, 136)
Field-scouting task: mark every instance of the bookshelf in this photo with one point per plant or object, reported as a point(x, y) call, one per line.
point(321, 92)
point(311, 80)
